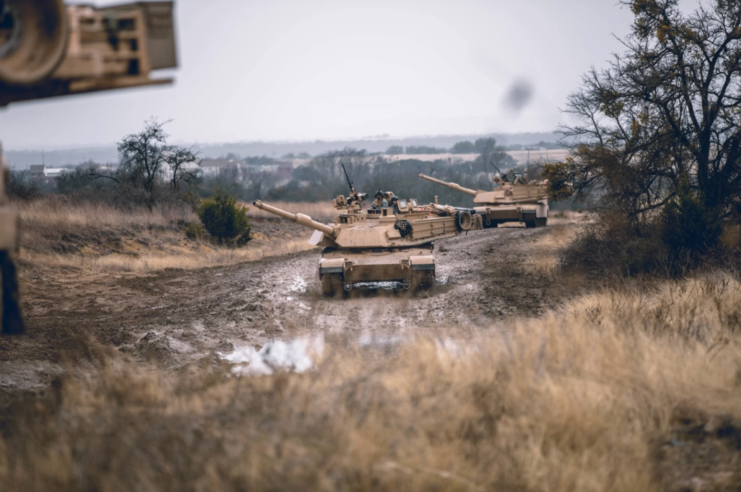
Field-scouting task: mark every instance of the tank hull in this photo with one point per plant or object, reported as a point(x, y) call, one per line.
point(532, 215)
point(411, 268)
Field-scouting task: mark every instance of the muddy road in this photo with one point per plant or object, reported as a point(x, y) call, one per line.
point(178, 316)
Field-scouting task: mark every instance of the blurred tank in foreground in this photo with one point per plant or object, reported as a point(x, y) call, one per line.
point(12, 321)
point(48, 49)
point(380, 245)
point(511, 202)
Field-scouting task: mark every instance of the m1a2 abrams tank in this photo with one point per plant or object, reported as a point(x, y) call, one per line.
point(380, 245)
point(515, 201)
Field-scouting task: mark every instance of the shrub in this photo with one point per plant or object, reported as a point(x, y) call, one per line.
point(194, 231)
point(688, 225)
point(20, 186)
point(224, 219)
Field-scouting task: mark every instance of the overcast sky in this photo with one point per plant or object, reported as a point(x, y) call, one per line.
point(305, 70)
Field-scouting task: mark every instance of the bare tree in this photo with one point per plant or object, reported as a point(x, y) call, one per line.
point(666, 111)
point(142, 156)
point(176, 158)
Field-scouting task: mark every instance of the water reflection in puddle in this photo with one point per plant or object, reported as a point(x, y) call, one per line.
point(297, 355)
point(302, 354)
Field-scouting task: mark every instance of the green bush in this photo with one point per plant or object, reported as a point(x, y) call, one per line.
point(688, 226)
point(194, 231)
point(226, 221)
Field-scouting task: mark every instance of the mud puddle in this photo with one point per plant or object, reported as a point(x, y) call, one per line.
point(176, 317)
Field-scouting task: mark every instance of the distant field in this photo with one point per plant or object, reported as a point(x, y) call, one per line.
point(521, 156)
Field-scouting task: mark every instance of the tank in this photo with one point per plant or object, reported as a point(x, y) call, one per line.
point(49, 49)
point(515, 201)
point(380, 245)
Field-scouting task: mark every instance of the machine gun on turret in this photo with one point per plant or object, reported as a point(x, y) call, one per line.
point(354, 201)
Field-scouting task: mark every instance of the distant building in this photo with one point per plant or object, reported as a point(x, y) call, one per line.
point(212, 167)
point(242, 171)
point(41, 172)
point(166, 169)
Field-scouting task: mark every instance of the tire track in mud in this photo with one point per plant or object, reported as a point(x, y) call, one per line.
point(179, 316)
point(469, 269)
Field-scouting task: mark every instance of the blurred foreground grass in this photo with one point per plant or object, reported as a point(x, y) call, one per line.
point(629, 389)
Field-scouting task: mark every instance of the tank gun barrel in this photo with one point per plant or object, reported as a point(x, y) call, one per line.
point(302, 219)
point(453, 186)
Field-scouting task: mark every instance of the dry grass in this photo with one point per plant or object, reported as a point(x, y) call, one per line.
point(207, 255)
point(54, 214)
point(582, 399)
point(547, 246)
point(99, 238)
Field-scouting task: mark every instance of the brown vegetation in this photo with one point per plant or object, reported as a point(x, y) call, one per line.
point(99, 237)
point(657, 144)
point(629, 389)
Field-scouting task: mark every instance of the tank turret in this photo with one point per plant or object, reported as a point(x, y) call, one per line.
point(382, 245)
point(516, 201)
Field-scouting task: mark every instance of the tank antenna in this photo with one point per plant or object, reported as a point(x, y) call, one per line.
point(401, 175)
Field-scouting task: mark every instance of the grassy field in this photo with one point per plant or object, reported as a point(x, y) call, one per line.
point(633, 388)
point(100, 238)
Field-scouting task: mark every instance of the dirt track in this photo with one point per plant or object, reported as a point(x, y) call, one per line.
point(180, 316)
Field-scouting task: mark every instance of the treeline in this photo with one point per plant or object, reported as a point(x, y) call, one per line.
point(467, 147)
point(149, 172)
point(659, 149)
point(323, 177)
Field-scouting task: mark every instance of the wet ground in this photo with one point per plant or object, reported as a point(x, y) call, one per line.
point(178, 316)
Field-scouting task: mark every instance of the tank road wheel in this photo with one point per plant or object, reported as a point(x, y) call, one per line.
point(541, 222)
point(331, 284)
point(422, 280)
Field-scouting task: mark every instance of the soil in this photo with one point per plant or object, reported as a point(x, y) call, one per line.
point(175, 317)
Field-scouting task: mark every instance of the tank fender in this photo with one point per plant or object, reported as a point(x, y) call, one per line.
point(334, 265)
point(316, 238)
point(426, 262)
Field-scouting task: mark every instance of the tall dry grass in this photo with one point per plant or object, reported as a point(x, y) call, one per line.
point(55, 214)
point(598, 396)
point(207, 255)
point(99, 238)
